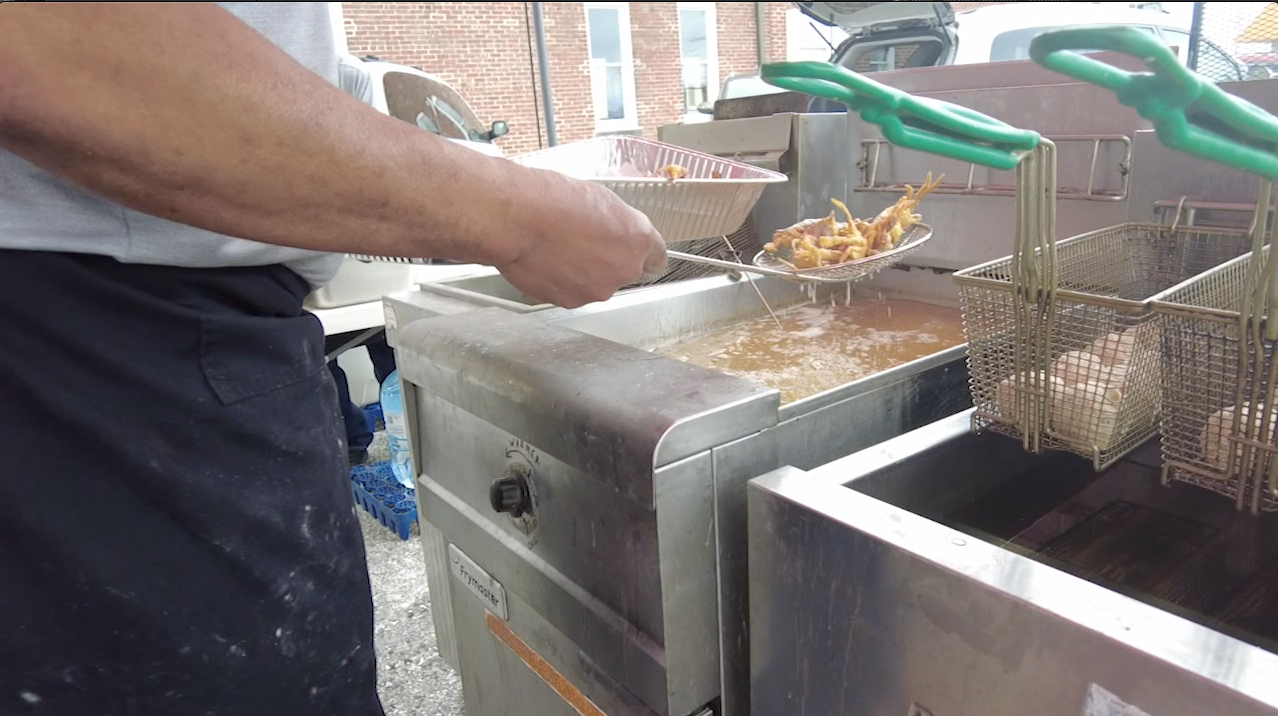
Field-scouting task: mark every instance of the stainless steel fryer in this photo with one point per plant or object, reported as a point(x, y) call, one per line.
point(626, 584)
point(620, 556)
point(951, 574)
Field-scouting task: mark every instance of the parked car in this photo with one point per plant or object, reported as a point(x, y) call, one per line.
point(883, 36)
point(740, 85)
point(427, 101)
point(895, 35)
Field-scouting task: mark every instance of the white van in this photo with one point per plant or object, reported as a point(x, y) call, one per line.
point(896, 35)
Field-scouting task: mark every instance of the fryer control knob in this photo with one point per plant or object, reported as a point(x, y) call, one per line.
point(510, 494)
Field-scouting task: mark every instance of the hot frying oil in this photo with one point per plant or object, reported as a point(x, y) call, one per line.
point(819, 347)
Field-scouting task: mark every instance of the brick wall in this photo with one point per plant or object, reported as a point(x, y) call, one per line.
point(486, 52)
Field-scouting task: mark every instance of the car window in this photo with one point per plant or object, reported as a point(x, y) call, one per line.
point(1014, 44)
point(914, 52)
point(1213, 63)
point(431, 105)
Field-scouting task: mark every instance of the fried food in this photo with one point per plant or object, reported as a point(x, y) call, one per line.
point(673, 172)
point(828, 242)
point(821, 242)
point(892, 222)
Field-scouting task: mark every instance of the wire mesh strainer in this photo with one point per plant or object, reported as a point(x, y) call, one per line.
point(770, 264)
point(907, 121)
point(912, 239)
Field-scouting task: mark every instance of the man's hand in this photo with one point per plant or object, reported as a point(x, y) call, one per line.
point(182, 111)
point(591, 244)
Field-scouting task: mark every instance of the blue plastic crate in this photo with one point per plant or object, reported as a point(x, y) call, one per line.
point(381, 495)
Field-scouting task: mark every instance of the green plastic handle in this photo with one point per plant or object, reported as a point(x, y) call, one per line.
point(1238, 134)
point(920, 123)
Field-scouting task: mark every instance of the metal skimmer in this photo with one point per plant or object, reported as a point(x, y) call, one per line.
point(767, 264)
point(907, 121)
point(912, 239)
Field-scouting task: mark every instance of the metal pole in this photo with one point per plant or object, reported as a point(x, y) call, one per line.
point(547, 99)
point(761, 34)
point(1195, 37)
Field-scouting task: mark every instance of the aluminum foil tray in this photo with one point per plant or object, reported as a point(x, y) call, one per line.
point(714, 200)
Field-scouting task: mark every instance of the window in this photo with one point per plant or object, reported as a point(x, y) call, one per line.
point(699, 50)
point(612, 67)
point(880, 59)
point(432, 106)
point(894, 55)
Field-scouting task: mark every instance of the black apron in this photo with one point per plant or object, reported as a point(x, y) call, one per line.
point(176, 525)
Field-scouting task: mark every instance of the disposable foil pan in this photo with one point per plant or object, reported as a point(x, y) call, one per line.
point(715, 199)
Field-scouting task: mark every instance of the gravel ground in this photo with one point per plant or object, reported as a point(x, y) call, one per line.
point(414, 680)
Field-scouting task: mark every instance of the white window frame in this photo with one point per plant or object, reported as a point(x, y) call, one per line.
point(713, 80)
point(630, 101)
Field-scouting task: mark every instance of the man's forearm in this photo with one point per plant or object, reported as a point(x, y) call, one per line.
point(184, 112)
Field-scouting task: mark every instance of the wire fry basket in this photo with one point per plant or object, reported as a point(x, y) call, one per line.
point(1218, 377)
point(1216, 372)
point(1063, 345)
point(1100, 395)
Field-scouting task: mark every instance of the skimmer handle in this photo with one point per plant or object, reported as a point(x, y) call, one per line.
point(920, 123)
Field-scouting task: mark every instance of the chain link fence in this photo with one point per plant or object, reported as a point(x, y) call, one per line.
point(1233, 41)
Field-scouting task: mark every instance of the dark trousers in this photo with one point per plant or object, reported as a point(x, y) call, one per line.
point(358, 436)
point(176, 526)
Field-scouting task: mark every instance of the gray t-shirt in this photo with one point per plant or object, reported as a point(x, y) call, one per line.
point(40, 212)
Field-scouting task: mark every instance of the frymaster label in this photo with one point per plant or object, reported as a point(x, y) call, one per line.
point(480, 583)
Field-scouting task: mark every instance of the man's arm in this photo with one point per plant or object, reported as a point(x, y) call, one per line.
point(182, 111)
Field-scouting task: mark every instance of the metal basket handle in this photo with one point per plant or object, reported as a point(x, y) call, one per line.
point(1237, 132)
point(925, 124)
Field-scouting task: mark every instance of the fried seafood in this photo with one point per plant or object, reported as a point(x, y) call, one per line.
point(822, 242)
point(673, 172)
point(892, 222)
point(828, 242)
